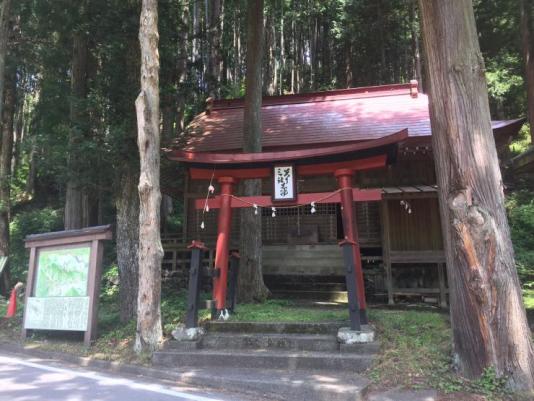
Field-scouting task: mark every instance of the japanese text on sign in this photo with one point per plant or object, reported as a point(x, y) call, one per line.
point(284, 183)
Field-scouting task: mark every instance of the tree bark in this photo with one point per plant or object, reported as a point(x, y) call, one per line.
point(527, 36)
point(215, 58)
point(414, 24)
point(4, 36)
point(5, 171)
point(487, 313)
point(127, 204)
point(149, 330)
point(74, 202)
point(251, 285)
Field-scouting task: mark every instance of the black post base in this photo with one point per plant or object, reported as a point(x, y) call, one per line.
point(352, 292)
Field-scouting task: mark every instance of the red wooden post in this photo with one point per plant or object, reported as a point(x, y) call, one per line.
point(344, 179)
point(223, 241)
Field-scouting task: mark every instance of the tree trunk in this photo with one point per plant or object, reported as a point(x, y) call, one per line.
point(487, 313)
point(251, 285)
point(5, 171)
point(4, 36)
point(74, 204)
point(527, 29)
point(29, 188)
point(149, 330)
point(127, 204)
point(215, 58)
point(414, 24)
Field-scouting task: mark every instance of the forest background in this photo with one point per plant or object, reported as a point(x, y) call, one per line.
point(69, 152)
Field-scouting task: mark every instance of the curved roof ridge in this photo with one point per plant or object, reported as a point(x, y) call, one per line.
point(331, 95)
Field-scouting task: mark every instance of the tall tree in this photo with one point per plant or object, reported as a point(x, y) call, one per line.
point(74, 198)
point(215, 35)
point(7, 97)
point(487, 313)
point(251, 285)
point(4, 35)
point(6, 153)
point(527, 35)
point(149, 330)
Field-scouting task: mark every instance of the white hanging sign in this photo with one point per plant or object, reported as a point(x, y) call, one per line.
point(284, 183)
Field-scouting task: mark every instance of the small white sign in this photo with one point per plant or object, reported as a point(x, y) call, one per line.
point(284, 183)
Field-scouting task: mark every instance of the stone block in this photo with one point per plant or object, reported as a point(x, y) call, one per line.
point(181, 333)
point(347, 336)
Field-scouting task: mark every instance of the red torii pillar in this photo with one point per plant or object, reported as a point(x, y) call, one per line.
point(223, 241)
point(350, 230)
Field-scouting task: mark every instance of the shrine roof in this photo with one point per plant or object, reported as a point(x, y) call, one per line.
point(318, 119)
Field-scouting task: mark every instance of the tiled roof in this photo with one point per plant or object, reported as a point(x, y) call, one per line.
point(315, 119)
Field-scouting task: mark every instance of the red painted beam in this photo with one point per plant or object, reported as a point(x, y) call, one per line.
point(330, 168)
point(211, 158)
point(359, 195)
point(302, 170)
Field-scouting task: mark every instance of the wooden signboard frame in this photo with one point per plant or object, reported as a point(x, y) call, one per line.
point(91, 237)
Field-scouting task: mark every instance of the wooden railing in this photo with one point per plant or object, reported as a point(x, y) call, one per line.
point(177, 258)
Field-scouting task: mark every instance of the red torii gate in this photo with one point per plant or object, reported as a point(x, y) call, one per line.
point(341, 160)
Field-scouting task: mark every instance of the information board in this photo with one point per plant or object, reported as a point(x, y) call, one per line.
point(57, 313)
point(63, 283)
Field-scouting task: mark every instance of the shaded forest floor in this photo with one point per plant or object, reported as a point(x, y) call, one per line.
point(415, 341)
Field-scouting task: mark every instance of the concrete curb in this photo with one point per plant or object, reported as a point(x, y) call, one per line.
point(272, 387)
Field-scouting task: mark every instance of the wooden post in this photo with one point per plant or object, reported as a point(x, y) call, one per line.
point(350, 228)
point(93, 290)
point(195, 282)
point(442, 285)
point(386, 249)
point(223, 241)
point(29, 284)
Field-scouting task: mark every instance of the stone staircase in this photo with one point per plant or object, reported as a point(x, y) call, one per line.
point(283, 360)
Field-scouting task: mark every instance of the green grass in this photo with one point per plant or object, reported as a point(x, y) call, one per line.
point(416, 347)
point(286, 311)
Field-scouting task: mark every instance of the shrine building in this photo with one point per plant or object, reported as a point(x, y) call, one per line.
point(348, 165)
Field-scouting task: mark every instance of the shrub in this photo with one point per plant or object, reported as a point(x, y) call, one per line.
point(26, 223)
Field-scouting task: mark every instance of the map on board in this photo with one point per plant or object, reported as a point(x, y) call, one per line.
point(62, 272)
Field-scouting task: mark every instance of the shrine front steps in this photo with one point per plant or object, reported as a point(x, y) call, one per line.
point(265, 359)
point(299, 357)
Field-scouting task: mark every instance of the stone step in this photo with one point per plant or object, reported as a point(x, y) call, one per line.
point(296, 342)
point(279, 285)
point(303, 257)
point(330, 296)
point(279, 384)
point(264, 359)
point(275, 327)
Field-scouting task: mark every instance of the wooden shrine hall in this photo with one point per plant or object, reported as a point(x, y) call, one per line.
point(351, 166)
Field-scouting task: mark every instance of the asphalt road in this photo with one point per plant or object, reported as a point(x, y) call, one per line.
point(24, 379)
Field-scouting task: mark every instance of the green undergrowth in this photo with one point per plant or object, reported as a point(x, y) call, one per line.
point(528, 295)
point(416, 352)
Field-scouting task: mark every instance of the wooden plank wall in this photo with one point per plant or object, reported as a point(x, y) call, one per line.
point(419, 230)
